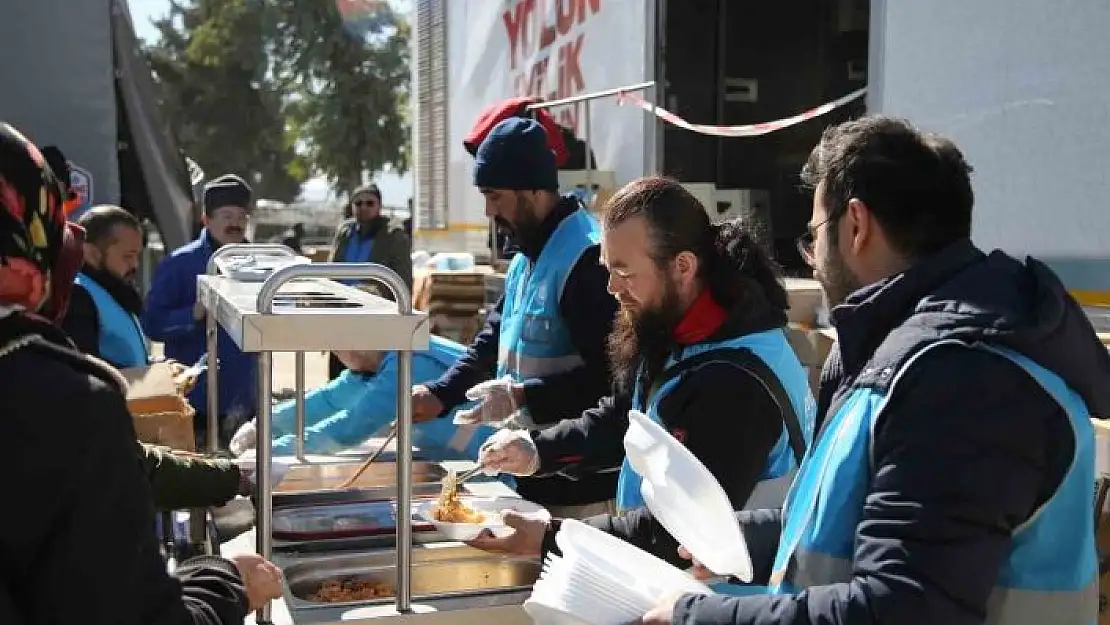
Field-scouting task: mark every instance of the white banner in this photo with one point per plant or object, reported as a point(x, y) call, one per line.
point(555, 49)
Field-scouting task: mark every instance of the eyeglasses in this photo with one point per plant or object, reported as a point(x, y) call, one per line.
point(230, 218)
point(366, 203)
point(806, 241)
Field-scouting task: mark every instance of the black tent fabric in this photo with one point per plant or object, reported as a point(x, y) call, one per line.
point(154, 176)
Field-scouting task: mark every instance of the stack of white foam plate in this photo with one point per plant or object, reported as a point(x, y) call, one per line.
point(601, 580)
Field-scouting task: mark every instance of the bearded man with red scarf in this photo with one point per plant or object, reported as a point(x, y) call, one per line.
point(699, 346)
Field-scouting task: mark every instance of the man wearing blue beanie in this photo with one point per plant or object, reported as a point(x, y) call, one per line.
point(542, 354)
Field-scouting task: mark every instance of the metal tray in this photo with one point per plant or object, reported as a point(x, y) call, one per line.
point(378, 482)
point(438, 571)
point(255, 267)
point(372, 518)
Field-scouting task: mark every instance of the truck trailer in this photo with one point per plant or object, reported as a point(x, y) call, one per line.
point(1016, 83)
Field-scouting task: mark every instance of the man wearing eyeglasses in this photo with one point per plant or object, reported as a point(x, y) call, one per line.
point(950, 481)
point(370, 237)
point(174, 317)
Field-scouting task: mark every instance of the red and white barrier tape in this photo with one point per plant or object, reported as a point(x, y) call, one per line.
point(747, 130)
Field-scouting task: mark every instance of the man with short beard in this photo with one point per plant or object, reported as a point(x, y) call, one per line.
point(102, 320)
point(951, 482)
point(104, 306)
point(544, 342)
point(699, 346)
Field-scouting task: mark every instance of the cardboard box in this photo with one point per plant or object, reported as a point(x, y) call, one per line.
point(807, 301)
point(812, 348)
point(171, 429)
point(159, 410)
point(152, 389)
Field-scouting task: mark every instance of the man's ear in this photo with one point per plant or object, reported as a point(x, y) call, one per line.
point(685, 266)
point(862, 224)
point(91, 254)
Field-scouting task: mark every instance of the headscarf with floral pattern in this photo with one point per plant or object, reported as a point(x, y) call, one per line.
point(32, 223)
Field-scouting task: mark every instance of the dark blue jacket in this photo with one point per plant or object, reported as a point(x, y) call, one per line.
point(966, 453)
point(168, 318)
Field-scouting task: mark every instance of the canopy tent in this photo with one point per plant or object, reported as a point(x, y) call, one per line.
point(76, 78)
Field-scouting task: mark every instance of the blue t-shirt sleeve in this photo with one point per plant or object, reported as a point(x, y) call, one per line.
point(346, 412)
point(330, 435)
point(321, 403)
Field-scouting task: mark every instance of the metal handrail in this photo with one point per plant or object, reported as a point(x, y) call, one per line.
point(265, 305)
point(211, 332)
point(582, 102)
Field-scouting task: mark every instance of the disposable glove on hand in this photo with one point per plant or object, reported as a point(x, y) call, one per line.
point(248, 467)
point(495, 403)
point(246, 437)
point(510, 451)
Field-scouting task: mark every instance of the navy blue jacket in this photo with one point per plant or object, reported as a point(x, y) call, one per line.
point(970, 450)
point(588, 311)
point(168, 318)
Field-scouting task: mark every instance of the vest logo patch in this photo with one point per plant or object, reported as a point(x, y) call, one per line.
point(81, 182)
point(679, 435)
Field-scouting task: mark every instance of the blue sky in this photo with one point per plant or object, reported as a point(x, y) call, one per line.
point(396, 190)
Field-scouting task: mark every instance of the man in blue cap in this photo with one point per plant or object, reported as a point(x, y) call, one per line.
point(541, 356)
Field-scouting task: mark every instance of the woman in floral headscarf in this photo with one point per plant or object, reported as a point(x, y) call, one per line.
point(32, 225)
point(85, 551)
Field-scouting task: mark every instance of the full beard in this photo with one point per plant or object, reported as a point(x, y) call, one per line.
point(525, 230)
point(643, 337)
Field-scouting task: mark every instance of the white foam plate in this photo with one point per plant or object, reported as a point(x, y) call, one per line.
point(623, 562)
point(490, 508)
point(686, 499)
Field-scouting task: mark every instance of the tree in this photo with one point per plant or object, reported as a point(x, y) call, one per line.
point(350, 87)
point(278, 90)
point(219, 95)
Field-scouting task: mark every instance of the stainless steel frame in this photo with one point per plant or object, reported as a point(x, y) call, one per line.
point(582, 106)
point(211, 332)
point(215, 293)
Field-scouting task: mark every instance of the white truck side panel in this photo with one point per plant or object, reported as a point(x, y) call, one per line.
point(495, 52)
point(1022, 87)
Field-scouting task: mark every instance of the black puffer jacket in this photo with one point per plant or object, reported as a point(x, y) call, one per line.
point(966, 450)
point(77, 542)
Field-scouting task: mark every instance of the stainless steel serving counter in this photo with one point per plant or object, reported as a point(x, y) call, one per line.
point(298, 307)
point(451, 583)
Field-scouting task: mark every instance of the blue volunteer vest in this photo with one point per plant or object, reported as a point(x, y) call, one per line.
point(121, 338)
point(1051, 575)
point(774, 350)
point(534, 340)
point(358, 250)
